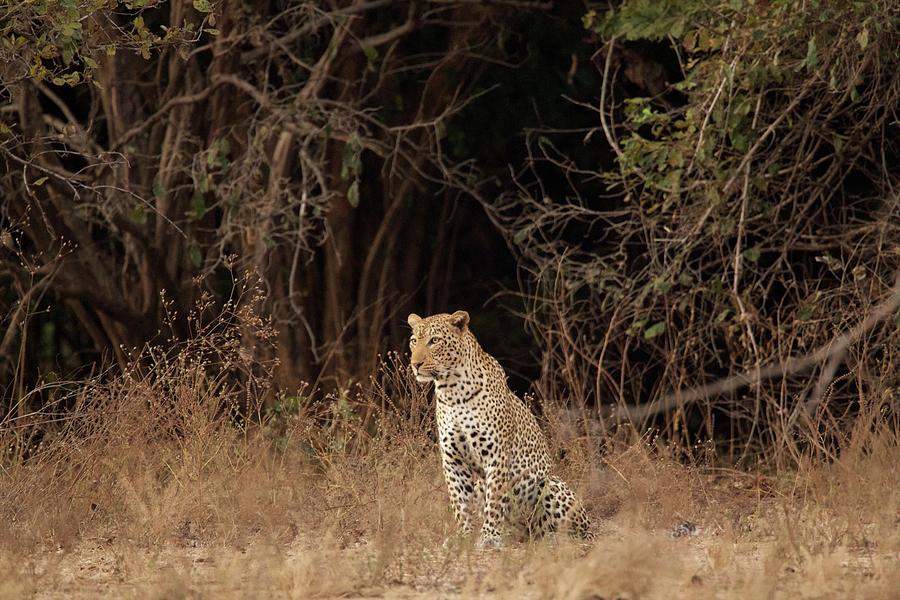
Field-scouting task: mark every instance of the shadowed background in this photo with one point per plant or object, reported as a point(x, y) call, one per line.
point(629, 200)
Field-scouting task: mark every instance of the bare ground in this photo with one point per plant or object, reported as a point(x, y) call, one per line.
point(626, 561)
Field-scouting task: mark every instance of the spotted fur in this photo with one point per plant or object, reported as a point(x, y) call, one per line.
point(488, 438)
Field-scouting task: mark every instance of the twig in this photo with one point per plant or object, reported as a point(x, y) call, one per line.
point(613, 143)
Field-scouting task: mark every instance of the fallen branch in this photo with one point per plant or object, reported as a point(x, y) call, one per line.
point(832, 351)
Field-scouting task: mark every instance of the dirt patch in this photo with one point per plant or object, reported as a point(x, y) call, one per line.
point(623, 562)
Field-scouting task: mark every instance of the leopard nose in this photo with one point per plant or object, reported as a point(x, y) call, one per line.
point(416, 364)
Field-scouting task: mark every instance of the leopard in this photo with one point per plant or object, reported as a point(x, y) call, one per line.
point(490, 442)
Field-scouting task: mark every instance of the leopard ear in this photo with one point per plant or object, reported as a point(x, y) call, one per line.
point(413, 319)
point(460, 320)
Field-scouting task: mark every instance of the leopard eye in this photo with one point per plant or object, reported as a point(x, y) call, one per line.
point(433, 341)
point(412, 342)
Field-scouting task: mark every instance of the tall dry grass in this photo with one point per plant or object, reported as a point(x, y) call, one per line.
point(183, 476)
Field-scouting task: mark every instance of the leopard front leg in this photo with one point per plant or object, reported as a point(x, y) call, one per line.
point(496, 503)
point(461, 487)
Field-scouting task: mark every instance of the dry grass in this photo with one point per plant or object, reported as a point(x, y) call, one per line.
point(146, 487)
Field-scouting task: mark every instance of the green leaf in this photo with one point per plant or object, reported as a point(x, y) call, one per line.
point(138, 214)
point(661, 284)
point(520, 236)
point(159, 191)
point(370, 51)
point(68, 52)
point(654, 330)
point(351, 163)
point(805, 313)
point(217, 155)
point(862, 38)
point(40, 181)
point(199, 204)
point(195, 256)
point(837, 142)
point(353, 194)
point(752, 254)
point(812, 55)
point(203, 6)
point(739, 142)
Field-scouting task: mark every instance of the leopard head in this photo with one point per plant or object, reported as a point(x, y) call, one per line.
point(439, 345)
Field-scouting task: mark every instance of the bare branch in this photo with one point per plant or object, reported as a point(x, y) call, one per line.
point(836, 348)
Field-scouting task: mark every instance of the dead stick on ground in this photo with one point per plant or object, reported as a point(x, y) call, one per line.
point(833, 351)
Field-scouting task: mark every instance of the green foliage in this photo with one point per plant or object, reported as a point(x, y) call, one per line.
point(652, 19)
point(353, 194)
point(198, 204)
point(733, 53)
point(195, 255)
point(138, 214)
point(217, 154)
point(654, 330)
point(351, 164)
point(159, 191)
point(46, 40)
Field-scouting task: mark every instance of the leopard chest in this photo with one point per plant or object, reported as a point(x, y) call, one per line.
point(467, 433)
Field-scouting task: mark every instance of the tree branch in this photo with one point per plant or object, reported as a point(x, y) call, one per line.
point(835, 348)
